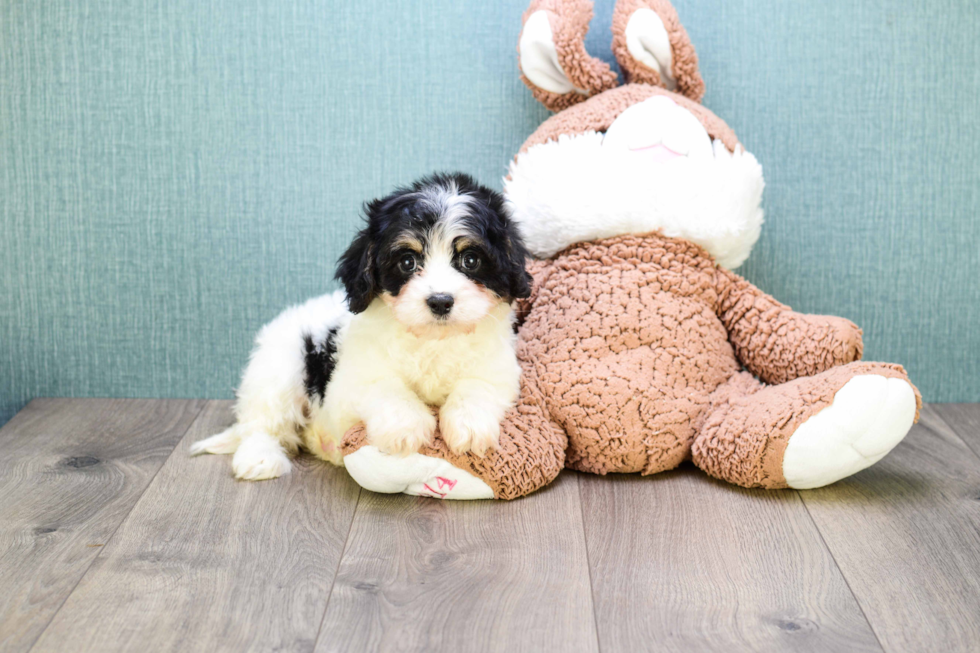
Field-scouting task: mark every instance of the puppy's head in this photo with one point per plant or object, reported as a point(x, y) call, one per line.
point(442, 254)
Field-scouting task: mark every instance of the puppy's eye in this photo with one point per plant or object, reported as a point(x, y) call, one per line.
point(407, 263)
point(469, 261)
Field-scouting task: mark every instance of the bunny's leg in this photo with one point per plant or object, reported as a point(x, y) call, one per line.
point(806, 433)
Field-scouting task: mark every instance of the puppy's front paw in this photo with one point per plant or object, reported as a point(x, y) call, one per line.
point(401, 428)
point(469, 428)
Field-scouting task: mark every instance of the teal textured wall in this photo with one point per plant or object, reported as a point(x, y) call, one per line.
point(173, 173)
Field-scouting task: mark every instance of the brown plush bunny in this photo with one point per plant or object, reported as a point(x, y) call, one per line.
point(639, 348)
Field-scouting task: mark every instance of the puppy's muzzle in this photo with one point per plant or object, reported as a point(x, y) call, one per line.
point(440, 304)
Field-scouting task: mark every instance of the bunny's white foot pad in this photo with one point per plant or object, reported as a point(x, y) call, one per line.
point(870, 414)
point(414, 474)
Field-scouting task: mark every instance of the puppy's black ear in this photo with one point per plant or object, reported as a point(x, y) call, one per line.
point(520, 281)
point(520, 278)
point(512, 257)
point(356, 271)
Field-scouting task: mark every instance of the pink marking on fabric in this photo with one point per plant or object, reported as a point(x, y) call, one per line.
point(658, 153)
point(435, 494)
point(443, 482)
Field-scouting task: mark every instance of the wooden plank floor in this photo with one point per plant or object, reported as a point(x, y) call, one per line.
point(113, 539)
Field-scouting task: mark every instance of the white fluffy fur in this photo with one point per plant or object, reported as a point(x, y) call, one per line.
point(388, 373)
point(579, 188)
point(388, 377)
point(272, 400)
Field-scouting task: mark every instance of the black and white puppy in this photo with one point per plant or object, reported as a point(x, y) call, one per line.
point(427, 320)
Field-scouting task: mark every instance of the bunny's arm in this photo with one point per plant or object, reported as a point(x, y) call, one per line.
point(774, 342)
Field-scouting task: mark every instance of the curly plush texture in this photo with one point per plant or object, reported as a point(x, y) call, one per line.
point(634, 335)
point(530, 454)
point(632, 350)
point(569, 20)
point(778, 345)
point(684, 60)
point(597, 113)
point(747, 426)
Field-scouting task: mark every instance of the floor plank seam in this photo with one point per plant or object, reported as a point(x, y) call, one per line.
point(588, 561)
point(843, 576)
point(333, 583)
point(108, 540)
point(964, 441)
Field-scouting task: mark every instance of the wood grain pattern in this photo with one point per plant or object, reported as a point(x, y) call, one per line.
point(108, 544)
point(682, 562)
point(425, 575)
point(906, 535)
point(70, 472)
point(205, 563)
point(964, 419)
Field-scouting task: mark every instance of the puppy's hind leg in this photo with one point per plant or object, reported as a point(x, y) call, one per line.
point(223, 443)
point(260, 456)
point(274, 397)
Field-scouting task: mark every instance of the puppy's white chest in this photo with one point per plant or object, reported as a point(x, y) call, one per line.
point(434, 367)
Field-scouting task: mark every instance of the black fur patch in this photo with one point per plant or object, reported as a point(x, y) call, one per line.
point(319, 364)
point(371, 264)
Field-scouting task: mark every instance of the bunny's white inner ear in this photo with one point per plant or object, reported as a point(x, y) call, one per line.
point(648, 43)
point(539, 59)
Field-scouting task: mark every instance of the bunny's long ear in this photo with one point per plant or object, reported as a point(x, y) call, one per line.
point(652, 47)
point(553, 60)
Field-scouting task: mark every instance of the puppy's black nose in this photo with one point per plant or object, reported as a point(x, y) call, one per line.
point(440, 304)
